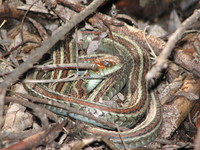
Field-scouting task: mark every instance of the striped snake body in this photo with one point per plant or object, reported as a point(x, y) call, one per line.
point(123, 64)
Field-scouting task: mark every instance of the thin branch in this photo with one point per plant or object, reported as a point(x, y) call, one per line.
point(2, 24)
point(35, 56)
point(23, 19)
point(67, 66)
point(150, 48)
point(67, 79)
point(162, 58)
point(16, 47)
point(18, 135)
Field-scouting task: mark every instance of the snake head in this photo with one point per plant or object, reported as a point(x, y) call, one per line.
point(107, 65)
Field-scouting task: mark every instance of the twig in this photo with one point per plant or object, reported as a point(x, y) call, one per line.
point(67, 66)
point(67, 79)
point(122, 139)
point(16, 47)
point(150, 48)
point(1, 25)
point(35, 56)
point(162, 58)
point(23, 19)
point(7, 63)
point(18, 135)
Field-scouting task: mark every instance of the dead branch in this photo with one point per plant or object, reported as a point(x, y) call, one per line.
point(162, 58)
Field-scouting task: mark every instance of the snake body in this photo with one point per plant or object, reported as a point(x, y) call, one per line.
point(126, 70)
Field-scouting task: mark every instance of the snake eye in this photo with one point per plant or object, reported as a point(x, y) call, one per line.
point(106, 63)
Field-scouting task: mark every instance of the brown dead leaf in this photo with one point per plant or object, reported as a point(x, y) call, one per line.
point(30, 46)
point(16, 35)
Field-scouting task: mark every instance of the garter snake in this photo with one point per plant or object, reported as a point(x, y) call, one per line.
point(131, 64)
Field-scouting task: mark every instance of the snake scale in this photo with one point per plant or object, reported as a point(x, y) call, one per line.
point(123, 64)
